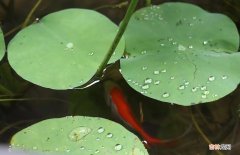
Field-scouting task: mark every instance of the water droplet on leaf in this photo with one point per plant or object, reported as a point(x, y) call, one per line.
point(118, 147)
point(165, 95)
point(78, 133)
point(100, 130)
point(211, 78)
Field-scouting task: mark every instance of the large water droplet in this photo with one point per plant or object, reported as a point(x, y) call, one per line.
point(165, 95)
point(211, 78)
point(100, 130)
point(118, 147)
point(148, 81)
point(78, 133)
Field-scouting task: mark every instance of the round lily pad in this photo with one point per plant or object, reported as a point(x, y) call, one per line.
point(183, 55)
point(64, 49)
point(2, 45)
point(78, 135)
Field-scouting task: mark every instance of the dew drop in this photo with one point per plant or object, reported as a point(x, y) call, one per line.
point(69, 45)
point(118, 147)
point(82, 147)
point(143, 52)
point(100, 130)
point(205, 42)
point(165, 95)
point(67, 150)
point(145, 86)
point(97, 151)
point(186, 83)
point(148, 81)
point(181, 87)
point(157, 82)
point(162, 44)
point(170, 39)
point(211, 78)
point(79, 133)
point(204, 96)
point(91, 53)
point(206, 92)
point(97, 139)
point(156, 72)
point(194, 89)
point(224, 77)
point(172, 78)
point(144, 68)
point(34, 148)
point(190, 47)
point(181, 48)
point(203, 88)
point(109, 135)
point(164, 71)
point(194, 18)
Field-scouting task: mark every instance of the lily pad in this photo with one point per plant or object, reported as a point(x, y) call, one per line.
point(2, 45)
point(64, 49)
point(78, 135)
point(178, 56)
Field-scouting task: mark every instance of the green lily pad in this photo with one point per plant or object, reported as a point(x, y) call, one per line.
point(178, 56)
point(78, 135)
point(64, 49)
point(2, 45)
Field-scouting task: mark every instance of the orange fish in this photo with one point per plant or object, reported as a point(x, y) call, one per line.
point(126, 114)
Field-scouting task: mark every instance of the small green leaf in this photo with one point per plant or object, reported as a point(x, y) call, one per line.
point(78, 135)
point(183, 55)
point(64, 49)
point(2, 45)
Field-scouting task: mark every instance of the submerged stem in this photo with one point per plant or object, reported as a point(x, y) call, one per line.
point(148, 2)
point(117, 38)
point(31, 13)
point(202, 133)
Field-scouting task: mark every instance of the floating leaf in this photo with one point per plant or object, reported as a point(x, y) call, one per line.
point(78, 135)
point(2, 45)
point(64, 49)
point(178, 56)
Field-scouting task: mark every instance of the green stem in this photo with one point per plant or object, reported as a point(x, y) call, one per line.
point(31, 13)
point(119, 5)
point(117, 38)
point(5, 90)
point(148, 2)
